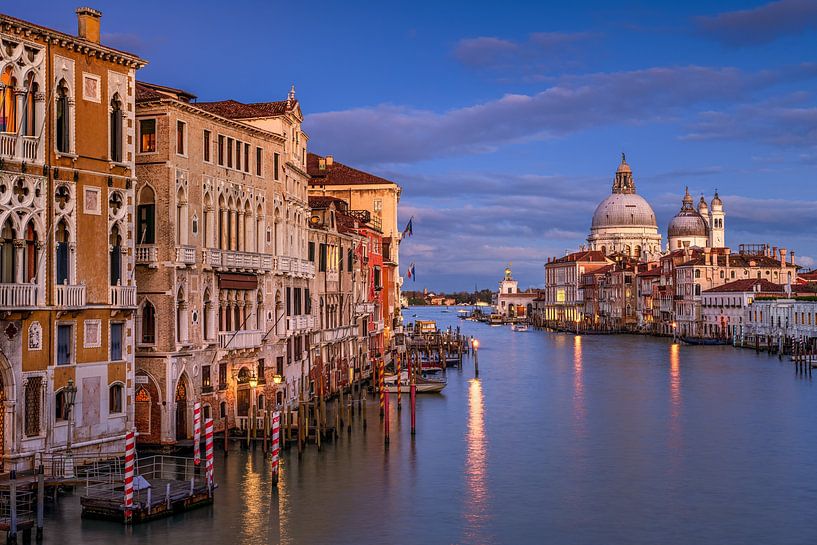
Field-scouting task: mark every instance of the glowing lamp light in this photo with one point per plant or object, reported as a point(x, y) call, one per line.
point(674, 325)
point(475, 344)
point(253, 381)
point(277, 379)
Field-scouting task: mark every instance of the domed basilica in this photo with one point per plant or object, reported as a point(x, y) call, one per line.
point(624, 222)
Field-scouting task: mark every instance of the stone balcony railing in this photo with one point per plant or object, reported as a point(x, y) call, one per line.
point(364, 308)
point(296, 324)
point(295, 267)
point(122, 296)
point(70, 296)
point(24, 148)
point(186, 255)
point(146, 254)
point(229, 260)
point(13, 296)
point(239, 340)
point(338, 333)
point(332, 276)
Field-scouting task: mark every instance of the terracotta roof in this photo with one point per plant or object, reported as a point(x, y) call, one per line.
point(587, 255)
point(152, 91)
point(322, 202)
point(655, 271)
point(232, 109)
point(738, 260)
point(810, 276)
point(339, 174)
point(748, 284)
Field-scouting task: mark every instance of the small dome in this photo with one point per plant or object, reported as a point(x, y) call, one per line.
point(716, 201)
point(623, 209)
point(702, 207)
point(687, 225)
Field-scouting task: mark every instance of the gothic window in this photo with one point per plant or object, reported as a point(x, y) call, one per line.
point(148, 323)
point(7, 254)
point(116, 129)
point(142, 395)
point(33, 397)
point(63, 118)
point(697, 273)
point(115, 241)
point(30, 271)
point(8, 108)
point(146, 216)
point(62, 252)
point(29, 114)
point(115, 398)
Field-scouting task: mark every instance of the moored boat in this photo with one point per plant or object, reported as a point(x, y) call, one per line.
point(521, 328)
point(703, 341)
point(423, 385)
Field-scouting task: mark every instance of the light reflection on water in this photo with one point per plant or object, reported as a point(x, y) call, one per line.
point(562, 440)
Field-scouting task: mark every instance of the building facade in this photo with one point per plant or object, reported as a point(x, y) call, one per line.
point(66, 191)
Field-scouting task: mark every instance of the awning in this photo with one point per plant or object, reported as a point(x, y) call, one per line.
point(233, 281)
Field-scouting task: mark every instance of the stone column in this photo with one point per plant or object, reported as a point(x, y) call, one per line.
point(240, 231)
point(225, 229)
point(19, 259)
point(40, 247)
point(233, 227)
point(183, 322)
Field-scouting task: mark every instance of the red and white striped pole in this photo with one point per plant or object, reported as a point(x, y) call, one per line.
point(276, 448)
point(130, 463)
point(208, 452)
point(197, 433)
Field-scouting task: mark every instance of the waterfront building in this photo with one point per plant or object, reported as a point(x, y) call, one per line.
point(701, 227)
point(512, 303)
point(222, 270)
point(617, 295)
point(724, 309)
point(365, 191)
point(780, 317)
point(562, 302)
point(67, 293)
point(648, 282)
point(624, 222)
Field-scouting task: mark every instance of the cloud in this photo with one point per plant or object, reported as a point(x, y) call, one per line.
point(541, 52)
point(400, 134)
point(762, 24)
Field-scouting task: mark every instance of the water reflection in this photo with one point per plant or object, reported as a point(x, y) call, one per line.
point(578, 383)
point(476, 506)
point(675, 399)
point(252, 523)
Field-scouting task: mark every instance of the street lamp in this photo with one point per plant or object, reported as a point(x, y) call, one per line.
point(475, 345)
point(674, 331)
point(277, 379)
point(70, 392)
point(578, 321)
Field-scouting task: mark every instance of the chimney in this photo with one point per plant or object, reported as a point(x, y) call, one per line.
point(782, 257)
point(330, 160)
point(88, 24)
point(791, 258)
point(726, 252)
point(321, 164)
point(774, 252)
point(707, 260)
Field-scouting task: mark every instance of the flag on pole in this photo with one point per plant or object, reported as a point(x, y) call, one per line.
point(410, 272)
point(409, 230)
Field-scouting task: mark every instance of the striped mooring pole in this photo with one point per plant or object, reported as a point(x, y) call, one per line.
point(381, 370)
point(208, 453)
point(197, 433)
point(130, 463)
point(276, 445)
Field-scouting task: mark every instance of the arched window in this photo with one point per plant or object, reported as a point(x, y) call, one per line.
point(30, 271)
point(146, 216)
point(62, 253)
point(723, 274)
point(115, 398)
point(7, 257)
point(115, 241)
point(697, 273)
point(181, 317)
point(63, 118)
point(116, 129)
point(29, 115)
point(148, 323)
point(697, 289)
point(8, 108)
point(61, 406)
point(222, 409)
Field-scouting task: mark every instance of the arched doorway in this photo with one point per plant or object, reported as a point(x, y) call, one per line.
point(181, 409)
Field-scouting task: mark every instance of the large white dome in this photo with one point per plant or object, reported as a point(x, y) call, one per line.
point(624, 209)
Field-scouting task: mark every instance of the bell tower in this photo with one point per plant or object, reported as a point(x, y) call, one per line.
point(717, 232)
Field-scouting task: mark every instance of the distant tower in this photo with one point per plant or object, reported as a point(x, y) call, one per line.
point(717, 236)
point(508, 284)
point(703, 210)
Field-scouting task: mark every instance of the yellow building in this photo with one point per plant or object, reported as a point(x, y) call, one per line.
point(66, 257)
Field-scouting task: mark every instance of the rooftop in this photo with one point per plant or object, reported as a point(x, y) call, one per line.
point(327, 171)
point(748, 284)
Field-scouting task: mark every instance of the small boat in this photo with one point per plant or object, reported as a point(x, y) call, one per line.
point(703, 341)
point(495, 319)
point(423, 385)
point(520, 328)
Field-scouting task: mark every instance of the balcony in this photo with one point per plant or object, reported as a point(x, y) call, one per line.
point(364, 308)
point(186, 255)
point(70, 296)
point(146, 254)
point(122, 296)
point(30, 144)
point(338, 334)
point(297, 324)
point(14, 296)
point(229, 260)
point(239, 340)
point(28, 149)
point(295, 267)
point(332, 276)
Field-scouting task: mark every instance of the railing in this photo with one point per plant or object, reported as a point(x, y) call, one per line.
point(22, 512)
point(186, 255)
point(123, 296)
point(332, 276)
point(239, 340)
point(146, 253)
point(229, 259)
point(300, 323)
point(364, 308)
point(71, 296)
point(339, 333)
point(295, 266)
point(30, 144)
point(18, 295)
point(8, 144)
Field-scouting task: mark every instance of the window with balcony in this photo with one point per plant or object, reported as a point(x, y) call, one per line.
point(115, 261)
point(116, 341)
point(8, 103)
point(116, 129)
point(115, 393)
point(62, 253)
point(146, 216)
point(63, 128)
point(148, 323)
point(147, 135)
point(30, 120)
point(65, 344)
point(7, 255)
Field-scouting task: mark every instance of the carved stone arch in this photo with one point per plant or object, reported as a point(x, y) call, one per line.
point(143, 194)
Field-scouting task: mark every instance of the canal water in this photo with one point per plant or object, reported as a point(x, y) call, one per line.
point(561, 440)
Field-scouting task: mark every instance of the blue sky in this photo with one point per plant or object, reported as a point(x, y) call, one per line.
point(504, 122)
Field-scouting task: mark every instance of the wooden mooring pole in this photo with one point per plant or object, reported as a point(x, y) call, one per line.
point(40, 501)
